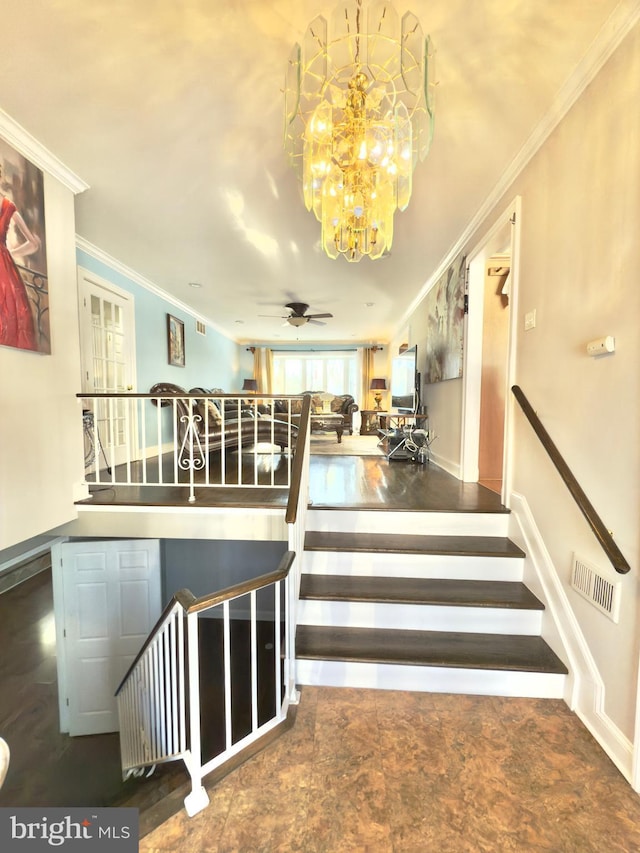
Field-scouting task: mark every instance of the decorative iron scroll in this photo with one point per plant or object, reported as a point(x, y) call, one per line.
point(192, 456)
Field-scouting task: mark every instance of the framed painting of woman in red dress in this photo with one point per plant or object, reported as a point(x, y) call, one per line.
point(24, 285)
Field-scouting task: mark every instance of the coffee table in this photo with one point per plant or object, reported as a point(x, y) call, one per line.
point(328, 422)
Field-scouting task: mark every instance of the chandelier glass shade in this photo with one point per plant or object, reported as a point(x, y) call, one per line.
point(359, 113)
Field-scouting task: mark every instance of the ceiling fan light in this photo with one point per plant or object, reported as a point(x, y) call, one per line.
point(297, 321)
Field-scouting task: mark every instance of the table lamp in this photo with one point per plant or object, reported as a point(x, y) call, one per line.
point(250, 385)
point(378, 385)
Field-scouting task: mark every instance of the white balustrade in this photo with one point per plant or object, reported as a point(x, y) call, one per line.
point(296, 529)
point(161, 691)
point(175, 440)
point(151, 703)
point(163, 685)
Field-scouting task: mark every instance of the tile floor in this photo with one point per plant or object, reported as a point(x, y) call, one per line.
point(393, 772)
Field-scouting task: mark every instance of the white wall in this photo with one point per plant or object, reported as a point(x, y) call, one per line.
point(41, 448)
point(579, 262)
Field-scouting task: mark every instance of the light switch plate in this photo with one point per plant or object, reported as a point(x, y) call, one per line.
point(530, 320)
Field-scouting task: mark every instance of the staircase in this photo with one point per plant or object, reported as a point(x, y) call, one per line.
point(420, 601)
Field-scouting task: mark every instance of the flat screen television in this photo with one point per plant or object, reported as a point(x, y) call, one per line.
point(405, 382)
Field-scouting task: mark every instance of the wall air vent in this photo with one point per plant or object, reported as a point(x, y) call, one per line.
point(591, 584)
point(201, 329)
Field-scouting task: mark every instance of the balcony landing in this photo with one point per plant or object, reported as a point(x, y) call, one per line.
point(335, 482)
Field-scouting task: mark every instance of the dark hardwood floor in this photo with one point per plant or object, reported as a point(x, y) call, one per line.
point(335, 482)
point(375, 483)
point(48, 768)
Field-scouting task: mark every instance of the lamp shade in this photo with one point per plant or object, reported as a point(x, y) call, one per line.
point(250, 385)
point(378, 385)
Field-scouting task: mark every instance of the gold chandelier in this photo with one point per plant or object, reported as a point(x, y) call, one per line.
point(359, 107)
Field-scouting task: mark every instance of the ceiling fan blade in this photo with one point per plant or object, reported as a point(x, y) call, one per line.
point(276, 316)
point(315, 316)
point(316, 322)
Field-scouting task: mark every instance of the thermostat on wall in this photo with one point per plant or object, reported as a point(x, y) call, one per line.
point(602, 345)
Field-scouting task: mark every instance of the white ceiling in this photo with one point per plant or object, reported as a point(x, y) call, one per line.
point(172, 114)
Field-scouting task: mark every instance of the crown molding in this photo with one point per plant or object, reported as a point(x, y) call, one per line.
point(40, 156)
point(117, 266)
point(618, 25)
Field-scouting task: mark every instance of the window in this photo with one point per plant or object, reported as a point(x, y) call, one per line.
point(333, 372)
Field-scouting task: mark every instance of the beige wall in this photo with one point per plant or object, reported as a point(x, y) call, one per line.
point(442, 399)
point(40, 419)
point(579, 259)
point(579, 262)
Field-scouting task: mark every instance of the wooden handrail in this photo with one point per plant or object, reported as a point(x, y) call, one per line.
point(298, 462)
point(190, 604)
point(603, 536)
point(242, 588)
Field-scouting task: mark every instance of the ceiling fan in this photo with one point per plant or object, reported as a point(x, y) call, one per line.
point(297, 315)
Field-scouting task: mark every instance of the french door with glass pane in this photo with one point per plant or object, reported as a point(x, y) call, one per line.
point(108, 348)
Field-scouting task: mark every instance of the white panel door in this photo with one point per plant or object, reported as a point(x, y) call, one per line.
point(112, 600)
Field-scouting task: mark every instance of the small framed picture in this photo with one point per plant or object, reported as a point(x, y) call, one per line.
point(175, 340)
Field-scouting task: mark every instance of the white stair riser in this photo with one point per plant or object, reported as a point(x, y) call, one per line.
point(419, 617)
point(430, 679)
point(421, 523)
point(413, 565)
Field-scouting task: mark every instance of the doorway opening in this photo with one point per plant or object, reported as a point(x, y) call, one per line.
point(490, 354)
point(495, 342)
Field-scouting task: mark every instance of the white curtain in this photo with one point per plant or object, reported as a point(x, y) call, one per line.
point(365, 365)
point(263, 369)
point(366, 374)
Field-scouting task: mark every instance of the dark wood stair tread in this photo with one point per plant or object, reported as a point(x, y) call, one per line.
point(428, 648)
point(394, 543)
point(458, 593)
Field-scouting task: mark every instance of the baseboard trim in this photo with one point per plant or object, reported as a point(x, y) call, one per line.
point(154, 450)
point(446, 464)
point(10, 578)
point(27, 555)
point(585, 690)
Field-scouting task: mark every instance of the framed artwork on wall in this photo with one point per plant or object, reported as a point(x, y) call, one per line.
point(445, 325)
point(24, 283)
point(175, 340)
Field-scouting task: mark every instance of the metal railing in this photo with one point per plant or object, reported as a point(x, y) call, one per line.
point(159, 700)
point(194, 440)
point(160, 705)
point(596, 524)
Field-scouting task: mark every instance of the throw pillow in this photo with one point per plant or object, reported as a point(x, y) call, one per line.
point(209, 413)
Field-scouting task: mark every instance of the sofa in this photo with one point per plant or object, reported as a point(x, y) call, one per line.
point(210, 431)
point(342, 404)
